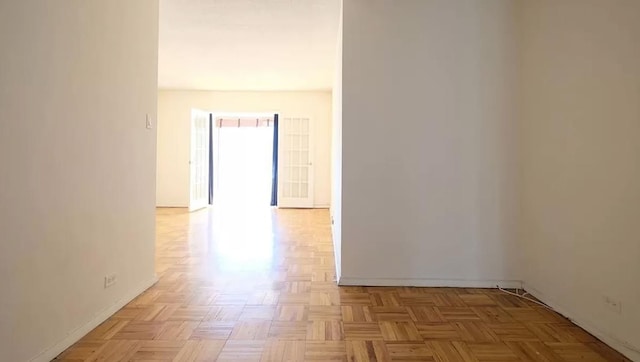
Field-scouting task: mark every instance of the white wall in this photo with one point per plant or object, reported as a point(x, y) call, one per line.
point(78, 166)
point(428, 191)
point(581, 161)
point(174, 112)
point(336, 156)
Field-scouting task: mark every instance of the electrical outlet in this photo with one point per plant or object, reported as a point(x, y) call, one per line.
point(148, 122)
point(110, 280)
point(613, 305)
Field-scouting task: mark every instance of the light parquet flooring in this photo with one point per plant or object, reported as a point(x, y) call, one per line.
point(259, 286)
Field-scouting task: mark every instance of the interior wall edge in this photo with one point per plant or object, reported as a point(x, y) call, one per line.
point(73, 336)
point(585, 323)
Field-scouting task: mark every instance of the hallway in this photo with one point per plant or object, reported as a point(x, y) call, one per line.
point(249, 286)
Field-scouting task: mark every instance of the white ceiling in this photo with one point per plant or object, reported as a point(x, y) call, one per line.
point(248, 44)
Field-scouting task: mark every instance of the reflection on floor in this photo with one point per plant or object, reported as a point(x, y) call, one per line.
point(249, 285)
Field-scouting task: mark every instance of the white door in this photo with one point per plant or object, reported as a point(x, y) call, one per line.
point(295, 166)
point(215, 141)
point(199, 160)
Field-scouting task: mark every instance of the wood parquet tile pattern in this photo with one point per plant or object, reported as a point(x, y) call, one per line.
point(260, 287)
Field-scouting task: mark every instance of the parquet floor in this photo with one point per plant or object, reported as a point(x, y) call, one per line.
point(259, 286)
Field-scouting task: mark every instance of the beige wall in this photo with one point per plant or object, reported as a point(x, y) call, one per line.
point(428, 169)
point(174, 112)
point(581, 161)
point(78, 167)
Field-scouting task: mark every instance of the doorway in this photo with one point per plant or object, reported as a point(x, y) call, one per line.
point(251, 160)
point(244, 164)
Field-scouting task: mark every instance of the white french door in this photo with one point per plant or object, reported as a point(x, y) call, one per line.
point(295, 165)
point(199, 160)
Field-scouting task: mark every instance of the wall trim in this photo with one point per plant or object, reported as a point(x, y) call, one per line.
point(336, 254)
point(585, 323)
point(429, 282)
point(175, 206)
point(73, 336)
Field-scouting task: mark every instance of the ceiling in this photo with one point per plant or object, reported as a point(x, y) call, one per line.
point(248, 44)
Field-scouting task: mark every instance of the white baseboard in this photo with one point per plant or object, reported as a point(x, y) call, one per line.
point(315, 206)
point(426, 282)
point(585, 323)
point(75, 335)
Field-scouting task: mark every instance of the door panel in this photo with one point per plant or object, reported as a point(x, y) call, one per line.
point(295, 166)
point(199, 160)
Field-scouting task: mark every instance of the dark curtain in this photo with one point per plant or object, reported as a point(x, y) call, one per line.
point(211, 158)
point(274, 165)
